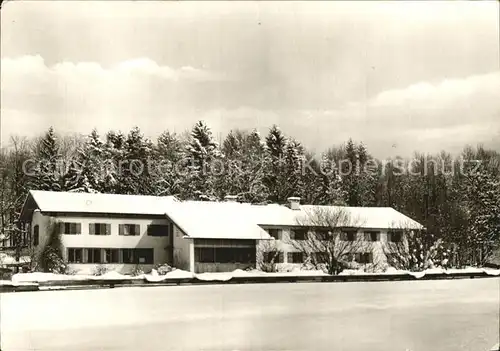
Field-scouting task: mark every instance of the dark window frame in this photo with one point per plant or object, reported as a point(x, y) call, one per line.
point(146, 253)
point(158, 230)
point(36, 235)
point(99, 228)
point(364, 257)
point(295, 257)
point(273, 257)
point(303, 233)
point(136, 231)
point(276, 233)
point(70, 228)
point(396, 233)
point(348, 235)
point(94, 255)
point(323, 234)
point(371, 235)
point(72, 255)
point(129, 254)
point(111, 255)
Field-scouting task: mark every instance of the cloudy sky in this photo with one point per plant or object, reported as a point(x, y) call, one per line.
point(398, 76)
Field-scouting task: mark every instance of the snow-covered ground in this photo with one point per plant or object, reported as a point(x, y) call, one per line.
point(488, 271)
point(444, 315)
point(45, 277)
point(181, 274)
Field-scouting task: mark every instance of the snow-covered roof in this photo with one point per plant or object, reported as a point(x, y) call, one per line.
point(52, 201)
point(225, 220)
point(215, 220)
point(205, 219)
point(363, 217)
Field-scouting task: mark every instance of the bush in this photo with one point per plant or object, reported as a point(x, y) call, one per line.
point(100, 269)
point(137, 270)
point(163, 269)
point(51, 259)
point(70, 271)
point(52, 262)
point(6, 273)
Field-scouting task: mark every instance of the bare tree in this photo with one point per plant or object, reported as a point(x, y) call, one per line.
point(269, 256)
point(414, 249)
point(13, 190)
point(328, 237)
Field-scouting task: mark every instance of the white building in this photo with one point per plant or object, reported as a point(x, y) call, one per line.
point(123, 231)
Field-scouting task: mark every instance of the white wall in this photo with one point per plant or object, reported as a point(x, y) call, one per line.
point(183, 251)
point(43, 227)
point(160, 245)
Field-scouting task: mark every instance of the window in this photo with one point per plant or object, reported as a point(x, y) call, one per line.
point(273, 257)
point(70, 228)
point(94, 256)
point(127, 255)
point(396, 236)
point(111, 256)
point(75, 255)
point(320, 257)
point(234, 255)
point(295, 257)
point(372, 236)
point(323, 233)
point(244, 255)
point(224, 243)
point(225, 254)
point(275, 233)
point(144, 256)
point(205, 254)
point(158, 230)
point(36, 235)
point(364, 258)
point(129, 229)
point(348, 235)
point(99, 229)
point(298, 234)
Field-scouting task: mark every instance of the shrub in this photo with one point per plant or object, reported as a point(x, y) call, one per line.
point(163, 268)
point(70, 271)
point(51, 259)
point(137, 270)
point(100, 269)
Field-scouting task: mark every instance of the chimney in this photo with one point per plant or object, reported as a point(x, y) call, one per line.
point(294, 202)
point(231, 198)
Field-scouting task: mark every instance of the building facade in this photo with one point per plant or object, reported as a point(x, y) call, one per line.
point(128, 232)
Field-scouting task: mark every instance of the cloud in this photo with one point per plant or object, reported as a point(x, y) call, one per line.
point(75, 97)
point(426, 116)
point(29, 75)
point(69, 88)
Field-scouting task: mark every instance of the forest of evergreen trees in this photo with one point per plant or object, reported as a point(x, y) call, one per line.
point(456, 197)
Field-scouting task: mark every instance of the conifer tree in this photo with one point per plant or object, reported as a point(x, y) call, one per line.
point(201, 154)
point(48, 171)
point(167, 155)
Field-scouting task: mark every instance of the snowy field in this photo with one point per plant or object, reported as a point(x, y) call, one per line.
point(447, 315)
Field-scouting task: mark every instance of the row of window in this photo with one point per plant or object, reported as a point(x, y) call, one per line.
point(325, 233)
point(299, 257)
point(73, 228)
point(225, 254)
point(108, 255)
